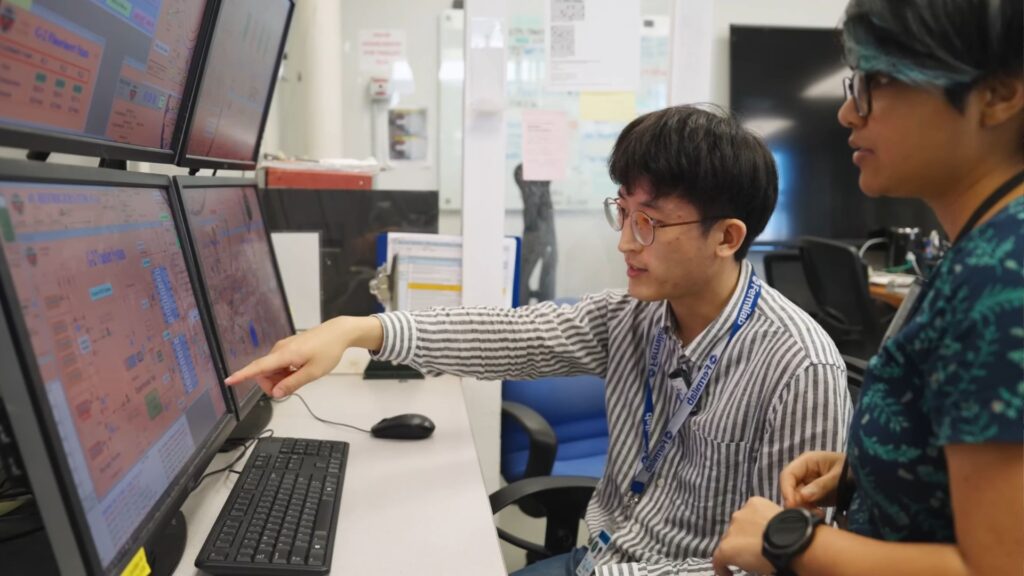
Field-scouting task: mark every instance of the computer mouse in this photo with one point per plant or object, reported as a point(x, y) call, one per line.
point(404, 427)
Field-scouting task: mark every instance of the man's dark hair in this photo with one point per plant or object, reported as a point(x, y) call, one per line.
point(702, 155)
point(951, 44)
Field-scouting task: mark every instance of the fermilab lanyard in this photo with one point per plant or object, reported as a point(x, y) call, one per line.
point(648, 464)
point(650, 461)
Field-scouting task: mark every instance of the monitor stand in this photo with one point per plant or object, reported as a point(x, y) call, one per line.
point(384, 370)
point(255, 421)
point(165, 548)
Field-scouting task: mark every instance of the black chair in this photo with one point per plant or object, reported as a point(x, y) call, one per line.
point(784, 271)
point(855, 370)
point(838, 280)
point(564, 499)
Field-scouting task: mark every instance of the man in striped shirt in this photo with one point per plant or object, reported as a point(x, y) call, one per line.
point(696, 189)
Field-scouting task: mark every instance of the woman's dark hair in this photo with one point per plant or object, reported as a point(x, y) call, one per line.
point(703, 156)
point(951, 44)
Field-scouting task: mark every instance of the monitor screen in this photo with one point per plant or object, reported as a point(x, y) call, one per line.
point(116, 337)
point(786, 84)
point(112, 72)
point(237, 79)
point(250, 313)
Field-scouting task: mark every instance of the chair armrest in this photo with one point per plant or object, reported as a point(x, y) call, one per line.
point(564, 499)
point(569, 487)
point(543, 441)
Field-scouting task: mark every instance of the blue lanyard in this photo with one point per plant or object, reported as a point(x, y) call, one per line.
point(649, 462)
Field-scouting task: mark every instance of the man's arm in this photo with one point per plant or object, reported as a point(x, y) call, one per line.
point(497, 343)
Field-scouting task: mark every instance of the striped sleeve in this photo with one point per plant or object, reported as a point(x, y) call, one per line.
point(812, 412)
point(500, 343)
point(691, 567)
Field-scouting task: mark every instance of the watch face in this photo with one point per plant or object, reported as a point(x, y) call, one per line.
point(788, 528)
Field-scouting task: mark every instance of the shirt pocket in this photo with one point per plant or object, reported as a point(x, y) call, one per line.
point(713, 483)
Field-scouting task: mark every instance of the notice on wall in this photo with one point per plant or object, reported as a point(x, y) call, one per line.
point(593, 45)
point(407, 134)
point(545, 145)
point(380, 50)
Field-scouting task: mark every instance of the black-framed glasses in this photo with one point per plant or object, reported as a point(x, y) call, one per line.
point(857, 87)
point(643, 226)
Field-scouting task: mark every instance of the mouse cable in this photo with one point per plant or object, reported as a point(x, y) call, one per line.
point(324, 420)
point(245, 449)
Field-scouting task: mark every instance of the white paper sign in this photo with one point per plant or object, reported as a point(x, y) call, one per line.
point(379, 50)
point(593, 45)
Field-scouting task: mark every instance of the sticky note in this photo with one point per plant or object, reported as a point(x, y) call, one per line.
point(608, 106)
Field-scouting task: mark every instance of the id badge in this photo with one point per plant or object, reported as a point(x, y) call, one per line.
point(586, 566)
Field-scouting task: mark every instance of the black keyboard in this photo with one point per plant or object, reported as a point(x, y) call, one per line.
point(281, 515)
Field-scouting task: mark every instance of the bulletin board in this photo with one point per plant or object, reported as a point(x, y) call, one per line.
point(589, 140)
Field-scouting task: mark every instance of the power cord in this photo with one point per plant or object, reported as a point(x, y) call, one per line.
point(311, 413)
point(245, 449)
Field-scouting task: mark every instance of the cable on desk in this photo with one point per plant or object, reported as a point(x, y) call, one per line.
point(228, 468)
point(324, 420)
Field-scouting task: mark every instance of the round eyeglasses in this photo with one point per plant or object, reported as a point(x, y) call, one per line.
point(643, 226)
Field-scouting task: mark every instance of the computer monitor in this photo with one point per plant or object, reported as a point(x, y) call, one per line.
point(108, 375)
point(227, 113)
point(238, 272)
point(98, 78)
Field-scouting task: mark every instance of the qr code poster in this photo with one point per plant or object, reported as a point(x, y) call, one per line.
point(568, 10)
point(563, 41)
point(593, 45)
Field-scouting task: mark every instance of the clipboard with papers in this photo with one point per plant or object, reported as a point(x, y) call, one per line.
point(419, 271)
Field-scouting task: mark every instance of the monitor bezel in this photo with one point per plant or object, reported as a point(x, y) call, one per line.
point(184, 128)
point(181, 184)
point(64, 511)
point(44, 140)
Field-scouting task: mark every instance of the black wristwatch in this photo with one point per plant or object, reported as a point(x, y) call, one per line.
point(787, 535)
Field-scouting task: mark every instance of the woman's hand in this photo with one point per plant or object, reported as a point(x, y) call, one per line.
point(811, 480)
point(742, 541)
point(300, 359)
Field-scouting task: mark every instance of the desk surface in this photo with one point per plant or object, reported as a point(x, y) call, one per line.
point(407, 507)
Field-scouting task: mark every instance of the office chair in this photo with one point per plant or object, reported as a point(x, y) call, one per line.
point(540, 246)
point(838, 280)
point(554, 443)
point(784, 271)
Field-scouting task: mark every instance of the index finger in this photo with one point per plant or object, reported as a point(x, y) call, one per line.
point(268, 364)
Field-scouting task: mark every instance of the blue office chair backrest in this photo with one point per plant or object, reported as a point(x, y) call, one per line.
point(574, 407)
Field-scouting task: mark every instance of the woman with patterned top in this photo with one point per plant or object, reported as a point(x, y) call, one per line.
point(935, 107)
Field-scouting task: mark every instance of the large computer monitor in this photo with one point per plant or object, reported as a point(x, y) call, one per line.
point(229, 110)
point(786, 83)
point(108, 375)
point(98, 78)
point(238, 271)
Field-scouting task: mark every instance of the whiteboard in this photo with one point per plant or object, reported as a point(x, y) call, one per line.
point(590, 142)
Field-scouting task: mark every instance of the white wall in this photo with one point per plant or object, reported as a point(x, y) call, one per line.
point(419, 20)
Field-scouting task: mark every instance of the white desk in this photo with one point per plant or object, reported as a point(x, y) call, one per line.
point(407, 507)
